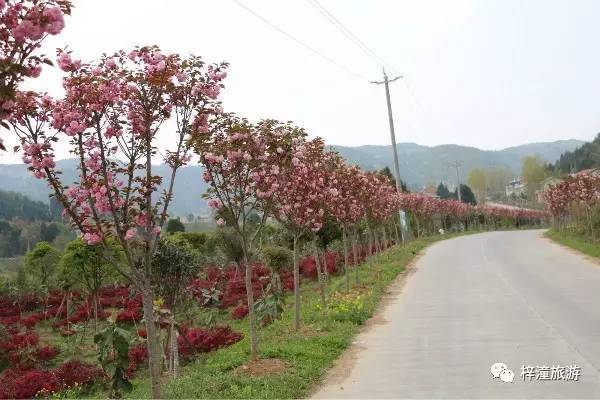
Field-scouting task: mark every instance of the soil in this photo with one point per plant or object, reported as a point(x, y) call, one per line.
point(263, 367)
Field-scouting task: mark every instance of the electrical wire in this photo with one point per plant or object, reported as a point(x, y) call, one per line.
point(301, 43)
point(348, 33)
point(365, 49)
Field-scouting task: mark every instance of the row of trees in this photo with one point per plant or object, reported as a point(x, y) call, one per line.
point(491, 182)
point(575, 204)
point(110, 117)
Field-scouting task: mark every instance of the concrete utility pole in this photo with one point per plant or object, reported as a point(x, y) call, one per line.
point(386, 82)
point(457, 165)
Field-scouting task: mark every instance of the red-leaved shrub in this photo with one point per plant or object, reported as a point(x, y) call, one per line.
point(46, 353)
point(239, 312)
point(198, 340)
point(130, 315)
point(137, 355)
point(16, 383)
point(74, 371)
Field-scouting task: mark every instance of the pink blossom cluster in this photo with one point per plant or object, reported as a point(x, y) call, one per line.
point(582, 189)
point(23, 26)
point(111, 112)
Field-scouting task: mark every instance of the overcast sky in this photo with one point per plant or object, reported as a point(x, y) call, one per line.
point(488, 74)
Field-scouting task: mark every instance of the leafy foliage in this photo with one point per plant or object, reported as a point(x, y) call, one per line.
point(174, 264)
point(277, 258)
point(174, 225)
point(113, 354)
point(40, 263)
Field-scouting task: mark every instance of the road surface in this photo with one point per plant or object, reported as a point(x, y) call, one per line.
point(469, 302)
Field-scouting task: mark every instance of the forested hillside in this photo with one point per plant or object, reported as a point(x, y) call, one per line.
point(16, 205)
point(584, 157)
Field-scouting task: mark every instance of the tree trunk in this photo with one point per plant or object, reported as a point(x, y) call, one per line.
point(354, 249)
point(345, 239)
point(250, 296)
point(296, 285)
point(320, 276)
point(151, 343)
point(174, 352)
point(67, 310)
point(95, 305)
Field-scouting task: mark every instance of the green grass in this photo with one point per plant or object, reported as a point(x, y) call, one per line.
point(575, 241)
point(308, 353)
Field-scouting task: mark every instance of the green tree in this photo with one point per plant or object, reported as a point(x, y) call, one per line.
point(196, 239)
point(387, 172)
point(86, 267)
point(174, 225)
point(277, 258)
point(49, 232)
point(533, 173)
point(466, 195)
point(497, 178)
point(330, 232)
point(174, 264)
point(477, 181)
point(10, 240)
point(442, 191)
point(40, 263)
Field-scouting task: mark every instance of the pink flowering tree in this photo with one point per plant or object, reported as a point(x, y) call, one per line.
point(24, 24)
point(346, 207)
point(575, 202)
point(298, 201)
point(110, 118)
point(241, 163)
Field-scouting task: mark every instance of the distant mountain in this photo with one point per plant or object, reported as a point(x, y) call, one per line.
point(419, 165)
point(189, 185)
point(584, 157)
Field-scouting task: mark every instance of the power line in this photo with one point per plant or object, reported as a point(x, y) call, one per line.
point(348, 33)
point(301, 43)
point(365, 49)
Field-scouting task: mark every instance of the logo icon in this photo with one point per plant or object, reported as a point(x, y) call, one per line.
point(500, 370)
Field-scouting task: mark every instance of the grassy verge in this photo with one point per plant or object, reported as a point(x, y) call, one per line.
point(307, 353)
point(574, 241)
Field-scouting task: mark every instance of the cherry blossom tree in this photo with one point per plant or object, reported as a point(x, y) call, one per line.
point(242, 165)
point(345, 206)
point(24, 24)
point(298, 201)
point(110, 117)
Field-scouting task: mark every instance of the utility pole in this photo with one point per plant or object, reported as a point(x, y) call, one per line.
point(457, 164)
point(386, 82)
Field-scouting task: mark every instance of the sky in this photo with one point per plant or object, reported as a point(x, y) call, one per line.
point(488, 73)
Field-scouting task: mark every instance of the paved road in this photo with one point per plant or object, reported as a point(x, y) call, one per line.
point(511, 297)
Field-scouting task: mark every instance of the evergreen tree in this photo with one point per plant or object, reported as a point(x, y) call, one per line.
point(175, 225)
point(442, 191)
point(466, 195)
